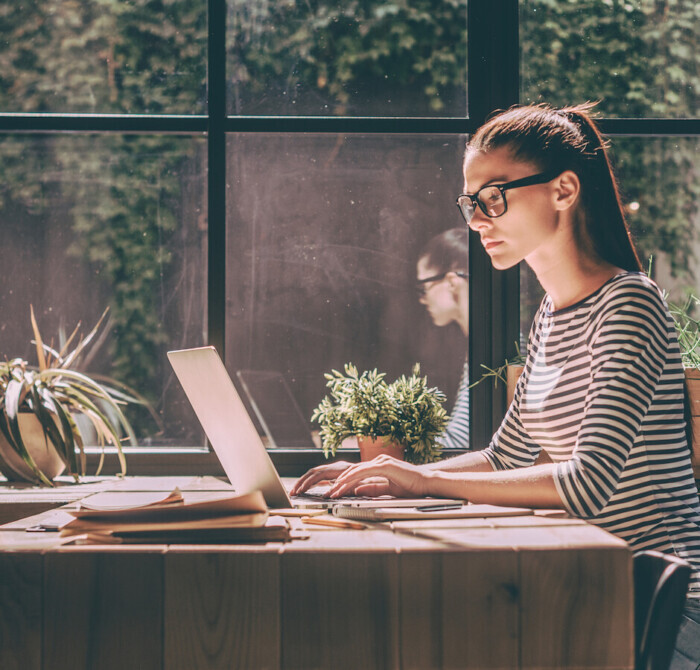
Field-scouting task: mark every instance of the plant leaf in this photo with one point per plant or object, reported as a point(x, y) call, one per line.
point(39, 344)
point(68, 361)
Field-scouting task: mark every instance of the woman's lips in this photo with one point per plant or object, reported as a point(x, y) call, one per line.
point(490, 244)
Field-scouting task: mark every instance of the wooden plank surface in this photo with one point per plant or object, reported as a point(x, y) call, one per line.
point(576, 609)
point(480, 618)
point(21, 583)
point(340, 610)
point(103, 610)
point(451, 604)
point(222, 610)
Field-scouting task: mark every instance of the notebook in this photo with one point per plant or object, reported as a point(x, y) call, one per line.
point(424, 513)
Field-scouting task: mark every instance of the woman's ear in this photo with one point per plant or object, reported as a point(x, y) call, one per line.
point(567, 188)
point(454, 280)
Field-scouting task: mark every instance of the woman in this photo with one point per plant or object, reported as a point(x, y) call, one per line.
point(442, 281)
point(602, 390)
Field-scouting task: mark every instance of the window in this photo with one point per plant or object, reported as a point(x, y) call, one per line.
point(639, 59)
point(262, 176)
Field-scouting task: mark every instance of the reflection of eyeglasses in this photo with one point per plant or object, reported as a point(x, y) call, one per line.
point(421, 284)
point(492, 198)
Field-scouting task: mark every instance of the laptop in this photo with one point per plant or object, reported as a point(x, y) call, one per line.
point(276, 409)
point(234, 437)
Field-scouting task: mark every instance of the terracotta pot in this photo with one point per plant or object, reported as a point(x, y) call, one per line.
point(372, 447)
point(42, 451)
point(692, 381)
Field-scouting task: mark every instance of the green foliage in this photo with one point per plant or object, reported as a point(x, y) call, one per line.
point(500, 374)
point(342, 55)
point(688, 330)
point(55, 391)
point(121, 192)
point(407, 411)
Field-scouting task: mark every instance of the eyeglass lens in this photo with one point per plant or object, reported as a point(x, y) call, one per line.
point(491, 202)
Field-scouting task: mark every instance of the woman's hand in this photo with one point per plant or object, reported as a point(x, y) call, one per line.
point(383, 475)
point(325, 473)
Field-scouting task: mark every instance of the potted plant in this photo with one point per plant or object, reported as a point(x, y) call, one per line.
point(40, 408)
point(688, 332)
point(402, 418)
point(508, 373)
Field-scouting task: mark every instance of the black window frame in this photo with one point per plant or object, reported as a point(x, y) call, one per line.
point(493, 56)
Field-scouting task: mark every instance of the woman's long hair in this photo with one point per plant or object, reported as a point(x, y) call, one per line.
point(567, 139)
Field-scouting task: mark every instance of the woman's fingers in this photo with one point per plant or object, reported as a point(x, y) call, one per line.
point(351, 478)
point(403, 479)
point(319, 474)
point(373, 487)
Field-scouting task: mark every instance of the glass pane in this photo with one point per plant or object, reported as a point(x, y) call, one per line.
point(115, 221)
point(661, 195)
point(324, 232)
point(357, 58)
point(103, 56)
point(640, 58)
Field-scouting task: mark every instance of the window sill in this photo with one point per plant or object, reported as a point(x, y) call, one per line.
point(154, 461)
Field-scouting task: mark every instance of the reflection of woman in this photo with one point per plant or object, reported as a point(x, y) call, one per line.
point(602, 390)
point(443, 286)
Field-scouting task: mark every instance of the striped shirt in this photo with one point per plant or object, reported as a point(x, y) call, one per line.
point(456, 435)
point(602, 393)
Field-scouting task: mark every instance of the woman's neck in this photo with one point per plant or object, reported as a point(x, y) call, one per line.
point(571, 280)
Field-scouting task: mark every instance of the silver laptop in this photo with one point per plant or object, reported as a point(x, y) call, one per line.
point(225, 420)
point(234, 437)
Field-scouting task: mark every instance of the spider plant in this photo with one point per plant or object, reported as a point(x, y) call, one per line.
point(55, 392)
point(687, 330)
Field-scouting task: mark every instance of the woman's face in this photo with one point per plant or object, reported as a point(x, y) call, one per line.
point(530, 222)
point(438, 296)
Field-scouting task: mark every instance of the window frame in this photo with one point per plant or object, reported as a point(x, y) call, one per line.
point(493, 61)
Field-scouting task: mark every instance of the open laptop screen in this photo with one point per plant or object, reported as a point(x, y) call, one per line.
point(276, 409)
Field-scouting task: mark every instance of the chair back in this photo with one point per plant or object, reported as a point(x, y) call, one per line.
point(660, 585)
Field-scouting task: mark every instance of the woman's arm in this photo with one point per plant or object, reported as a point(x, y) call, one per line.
point(529, 487)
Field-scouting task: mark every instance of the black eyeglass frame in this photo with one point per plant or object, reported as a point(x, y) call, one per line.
point(532, 180)
point(420, 283)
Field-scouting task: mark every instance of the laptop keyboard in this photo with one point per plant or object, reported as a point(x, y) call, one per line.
point(320, 493)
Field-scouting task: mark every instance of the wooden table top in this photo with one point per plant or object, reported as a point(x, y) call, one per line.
point(530, 591)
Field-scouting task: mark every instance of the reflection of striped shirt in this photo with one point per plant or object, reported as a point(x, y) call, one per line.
point(602, 393)
point(456, 435)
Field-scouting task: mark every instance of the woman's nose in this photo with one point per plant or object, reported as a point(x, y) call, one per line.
point(479, 221)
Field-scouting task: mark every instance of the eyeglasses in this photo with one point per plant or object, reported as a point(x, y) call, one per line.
point(421, 284)
point(492, 198)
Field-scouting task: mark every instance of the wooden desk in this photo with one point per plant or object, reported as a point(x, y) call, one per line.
point(520, 592)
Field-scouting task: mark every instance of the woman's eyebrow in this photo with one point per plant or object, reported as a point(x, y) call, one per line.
point(491, 181)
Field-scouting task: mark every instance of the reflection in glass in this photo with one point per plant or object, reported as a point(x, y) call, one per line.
point(323, 236)
point(660, 192)
point(117, 221)
point(332, 58)
point(639, 58)
point(103, 56)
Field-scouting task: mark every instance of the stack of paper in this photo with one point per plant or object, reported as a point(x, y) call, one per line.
point(171, 518)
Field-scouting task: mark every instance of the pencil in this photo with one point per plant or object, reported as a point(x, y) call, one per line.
point(335, 523)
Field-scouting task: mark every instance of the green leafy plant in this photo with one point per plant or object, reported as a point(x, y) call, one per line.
point(500, 374)
point(687, 329)
point(56, 393)
point(406, 411)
